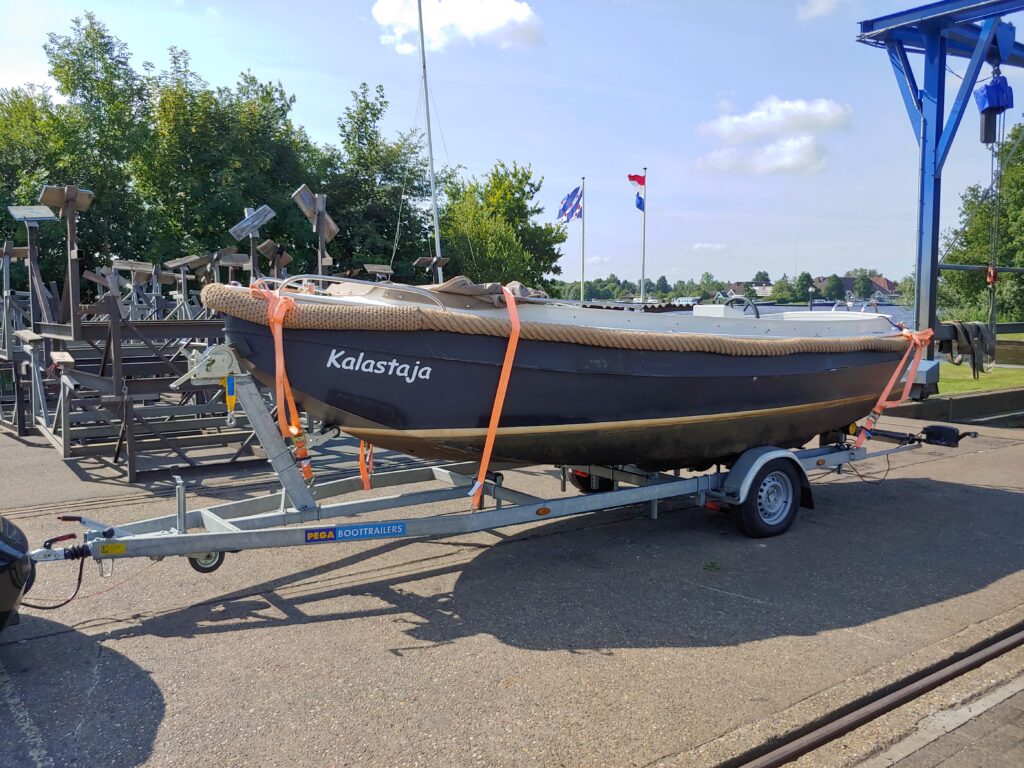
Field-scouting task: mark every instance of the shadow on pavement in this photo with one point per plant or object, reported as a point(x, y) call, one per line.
point(688, 579)
point(66, 699)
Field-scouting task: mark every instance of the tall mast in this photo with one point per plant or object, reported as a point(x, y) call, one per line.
point(583, 236)
point(439, 271)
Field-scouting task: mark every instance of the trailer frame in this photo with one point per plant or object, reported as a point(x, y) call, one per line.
point(299, 515)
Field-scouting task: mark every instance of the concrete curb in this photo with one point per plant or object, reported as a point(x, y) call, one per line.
point(958, 408)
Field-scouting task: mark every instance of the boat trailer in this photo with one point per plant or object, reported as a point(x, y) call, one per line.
point(765, 486)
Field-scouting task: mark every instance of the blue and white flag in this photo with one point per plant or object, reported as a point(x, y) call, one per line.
point(572, 207)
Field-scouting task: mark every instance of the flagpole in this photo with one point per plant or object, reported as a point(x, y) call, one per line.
point(583, 236)
point(643, 242)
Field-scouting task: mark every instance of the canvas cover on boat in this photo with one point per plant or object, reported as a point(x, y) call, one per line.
point(458, 292)
point(310, 314)
point(487, 293)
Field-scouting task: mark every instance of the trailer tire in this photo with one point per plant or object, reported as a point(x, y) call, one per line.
point(208, 562)
point(772, 502)
point(583, 482)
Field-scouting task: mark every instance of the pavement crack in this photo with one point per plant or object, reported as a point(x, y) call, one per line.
point(727, 592)
point(93, 684)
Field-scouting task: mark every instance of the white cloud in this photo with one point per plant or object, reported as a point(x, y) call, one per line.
point(504, 23)
point(779, 117)
point(813, 9)
point(791, 154)
point(708, 246)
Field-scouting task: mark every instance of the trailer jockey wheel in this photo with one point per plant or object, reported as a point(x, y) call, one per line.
point(772, 502)
point(208, 562)
point(589, 483)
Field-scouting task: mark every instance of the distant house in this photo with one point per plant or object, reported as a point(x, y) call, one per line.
point(882, 285)
point(820, 282)
point(885, 285)
point(762, 289)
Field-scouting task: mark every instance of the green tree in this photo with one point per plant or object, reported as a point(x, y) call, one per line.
point(964, 295)
point(907, 289)
point(370, 179)
point(833, 288)
point(101, 126)
point(27, 155)
point(489, 232)
point(862, 286)
point(749, 292)
point(709, 286)
point(173, 163)
point(761, 277)
point(212, 154)
point(482, 245)
point(782, 290)
point(661, 286)
point(687, 288)
point(801, 286)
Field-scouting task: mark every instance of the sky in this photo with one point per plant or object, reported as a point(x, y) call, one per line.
point(772, 139)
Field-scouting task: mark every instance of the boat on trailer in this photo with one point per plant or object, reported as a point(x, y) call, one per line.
point(765, 487)
point(415, 369)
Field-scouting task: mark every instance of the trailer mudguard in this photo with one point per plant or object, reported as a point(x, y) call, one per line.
point(741, 475)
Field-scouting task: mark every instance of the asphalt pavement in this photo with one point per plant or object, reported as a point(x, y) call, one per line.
point(612, 639)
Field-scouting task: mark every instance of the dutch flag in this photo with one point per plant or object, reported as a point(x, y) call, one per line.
point(640, 183)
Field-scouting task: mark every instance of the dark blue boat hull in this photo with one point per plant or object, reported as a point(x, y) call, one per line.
point(430, 394)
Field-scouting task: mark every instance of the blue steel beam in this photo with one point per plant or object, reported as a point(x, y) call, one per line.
point(946, 12)
point(960, 41)
point(907, 84)
point(939, 30)
point(956, 113)
point(932, 114)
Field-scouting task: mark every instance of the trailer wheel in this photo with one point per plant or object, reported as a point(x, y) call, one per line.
point(584, 482)
point(208, 562)
point(772, 503)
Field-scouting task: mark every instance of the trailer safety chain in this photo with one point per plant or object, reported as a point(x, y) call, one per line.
point(288, 420)
point(919, 341)
point(499, 397)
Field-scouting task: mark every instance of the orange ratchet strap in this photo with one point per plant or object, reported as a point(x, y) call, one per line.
point(287, 412)
point(499, 397)
point(919, 341)
point(366, 464)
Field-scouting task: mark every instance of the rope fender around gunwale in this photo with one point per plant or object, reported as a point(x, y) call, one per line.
point(238, 302)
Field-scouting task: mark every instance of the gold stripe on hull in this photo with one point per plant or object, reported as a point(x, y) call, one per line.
point(479, 432)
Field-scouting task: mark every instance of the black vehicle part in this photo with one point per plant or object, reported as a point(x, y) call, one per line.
point(16, 571)
point(590, 483)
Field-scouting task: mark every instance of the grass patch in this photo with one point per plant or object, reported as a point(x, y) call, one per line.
point(1010, 337)
point(956, 379)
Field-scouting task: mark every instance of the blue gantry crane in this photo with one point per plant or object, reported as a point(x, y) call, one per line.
point(960, 28)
